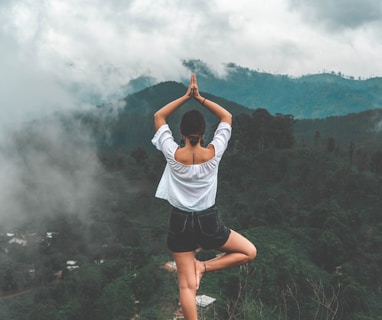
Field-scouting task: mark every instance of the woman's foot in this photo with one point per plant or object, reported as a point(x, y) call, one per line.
point(200, 269)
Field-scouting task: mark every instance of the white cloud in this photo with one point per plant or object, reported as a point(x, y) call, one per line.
point(60, 54)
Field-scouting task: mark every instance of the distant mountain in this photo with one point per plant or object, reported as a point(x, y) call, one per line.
point(310, 96)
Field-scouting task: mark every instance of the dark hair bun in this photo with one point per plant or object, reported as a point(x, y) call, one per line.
point(194, 140)
point(192, 123)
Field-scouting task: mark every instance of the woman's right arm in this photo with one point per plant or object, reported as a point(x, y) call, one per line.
point(216, 109)
point(162, 114)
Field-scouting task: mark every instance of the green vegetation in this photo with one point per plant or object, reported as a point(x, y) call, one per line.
point(313, 213)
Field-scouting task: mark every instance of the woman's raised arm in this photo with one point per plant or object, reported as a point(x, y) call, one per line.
point(160, 117)
point(163, 113)
point(216, 109)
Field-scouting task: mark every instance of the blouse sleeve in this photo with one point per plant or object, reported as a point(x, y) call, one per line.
point(164, 141)
point(221, 138)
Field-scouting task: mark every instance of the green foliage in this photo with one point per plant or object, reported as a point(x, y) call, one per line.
point(117, 300)
point(353, 133)
point(262, 131)
point(70, 310)
point(16, 308)
point(44, 310)
point(314, 216)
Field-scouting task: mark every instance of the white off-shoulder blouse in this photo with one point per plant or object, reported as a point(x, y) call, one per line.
point(190, 187)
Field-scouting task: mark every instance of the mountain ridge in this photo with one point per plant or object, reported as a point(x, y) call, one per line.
point(306, 97)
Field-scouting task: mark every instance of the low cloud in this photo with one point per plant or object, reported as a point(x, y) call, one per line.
point(48, 167)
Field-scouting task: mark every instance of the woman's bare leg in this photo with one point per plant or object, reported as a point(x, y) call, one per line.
point(185, 266)
point(238, 250)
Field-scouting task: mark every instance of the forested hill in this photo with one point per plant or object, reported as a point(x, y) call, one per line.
point(128, 124)
point(361, 130)
point(309, 96)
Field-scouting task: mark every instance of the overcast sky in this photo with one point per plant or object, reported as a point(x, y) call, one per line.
point(55, 53)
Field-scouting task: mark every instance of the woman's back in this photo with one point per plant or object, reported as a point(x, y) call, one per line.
point(190, 155)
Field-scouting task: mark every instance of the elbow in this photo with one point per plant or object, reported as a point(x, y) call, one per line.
point(227, 118)
point(159, 120)
point(158, 117)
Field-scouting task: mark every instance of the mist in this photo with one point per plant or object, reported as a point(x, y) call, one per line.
point(48, 167)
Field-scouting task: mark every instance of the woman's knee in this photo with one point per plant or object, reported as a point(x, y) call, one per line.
point(238, 243)
point(187, 286)
point(249, 249)
point(251, 253)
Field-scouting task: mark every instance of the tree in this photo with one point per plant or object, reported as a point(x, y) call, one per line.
point(117, 301)
point(139, 154)
point(329, 250)
point(376, 162)
point(351, 152)
point(317, 138)
point(262, 131)
point(70, 311)
point(330, 145)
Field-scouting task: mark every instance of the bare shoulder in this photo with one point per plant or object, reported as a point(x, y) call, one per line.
point(194, 155)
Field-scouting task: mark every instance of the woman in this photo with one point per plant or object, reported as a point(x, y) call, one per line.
point(189, 184)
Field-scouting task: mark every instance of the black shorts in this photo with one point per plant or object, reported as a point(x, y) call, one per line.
point(189, 231)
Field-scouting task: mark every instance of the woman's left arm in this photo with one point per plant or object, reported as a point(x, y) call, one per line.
point(163, 113)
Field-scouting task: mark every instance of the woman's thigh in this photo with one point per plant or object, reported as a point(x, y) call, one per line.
point(238, 243)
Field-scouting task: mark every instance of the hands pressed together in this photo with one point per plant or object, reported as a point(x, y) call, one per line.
point(193, 90)
point(218, 110)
